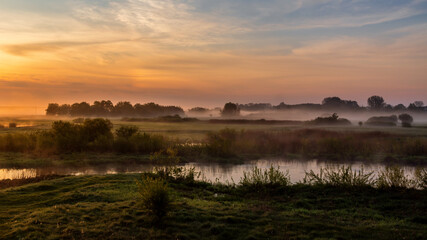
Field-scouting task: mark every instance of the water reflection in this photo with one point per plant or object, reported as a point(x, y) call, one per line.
point(224, 173)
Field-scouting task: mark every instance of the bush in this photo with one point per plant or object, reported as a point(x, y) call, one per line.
point(406, 119)
point(394, 177)
point(126, 131)
point(269, 179)
point(342, 176)
point(12, 125)
point(67, 136)
point(154, 196)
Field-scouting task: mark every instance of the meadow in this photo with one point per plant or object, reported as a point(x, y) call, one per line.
point(262, 206)
point(332, 204)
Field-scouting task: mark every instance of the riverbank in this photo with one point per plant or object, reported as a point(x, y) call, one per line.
point(108, 207)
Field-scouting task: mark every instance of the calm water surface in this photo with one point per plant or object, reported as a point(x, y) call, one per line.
point(225, 173)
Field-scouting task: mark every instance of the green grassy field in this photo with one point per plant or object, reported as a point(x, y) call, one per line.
point(108, 207)
point(196, 131)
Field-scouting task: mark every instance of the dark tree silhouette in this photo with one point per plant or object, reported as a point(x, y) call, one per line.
point(198, 110)
point(64, 109)
point(230, 110)
point(336, 102)
point(80, 109)
point(123, 109)
point(406, 119)
point(52, 109)
point(376, 102)
point(102, 108)
point(419, 104)
point(399, 107)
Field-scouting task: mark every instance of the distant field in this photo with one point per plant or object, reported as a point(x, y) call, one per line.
point(196, 131)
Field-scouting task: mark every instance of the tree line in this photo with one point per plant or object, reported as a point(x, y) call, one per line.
point(375, 103)
point(106, 108)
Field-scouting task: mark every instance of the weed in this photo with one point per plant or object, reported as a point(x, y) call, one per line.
point(342, 176)
point(154, 196)
point(264, 180)
point(394, 177)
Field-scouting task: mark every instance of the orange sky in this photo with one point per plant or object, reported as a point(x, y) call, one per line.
point(200, 53)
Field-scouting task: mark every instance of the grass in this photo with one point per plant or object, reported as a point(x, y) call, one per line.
point(107, 207)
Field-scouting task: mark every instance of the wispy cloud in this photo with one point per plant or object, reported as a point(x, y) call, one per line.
point(240, 47)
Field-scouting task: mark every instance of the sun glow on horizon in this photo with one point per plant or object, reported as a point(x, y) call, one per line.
point(206, 53)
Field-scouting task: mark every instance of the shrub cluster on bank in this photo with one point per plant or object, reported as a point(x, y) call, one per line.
point(86, 135)
point(97, 135)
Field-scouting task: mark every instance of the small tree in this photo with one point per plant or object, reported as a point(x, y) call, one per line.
point(52, 109)
point(376, 102)
point(230, 110)
point(406, 119)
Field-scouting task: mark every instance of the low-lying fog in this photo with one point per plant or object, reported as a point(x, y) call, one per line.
point(305, 115)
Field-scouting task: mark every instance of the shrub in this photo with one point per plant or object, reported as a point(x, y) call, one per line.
point(382, 121)
point(393, 177)
point(67, 136)
point(264, 180)
point(126, 131)
point(12, 125)
point(154, 195)
point(95, 128)
point(168, 156)
point(406, 119)
point(342, 176)
point(146, 143)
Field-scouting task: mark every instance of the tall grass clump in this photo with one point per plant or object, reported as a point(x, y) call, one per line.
point(394, 177)
point(155, 196)
point(341, 176)
point(259, 180)
point(221, 144)
point(421, 178)
point(177, 174)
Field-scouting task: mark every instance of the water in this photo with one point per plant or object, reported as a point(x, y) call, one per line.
point(215, 172)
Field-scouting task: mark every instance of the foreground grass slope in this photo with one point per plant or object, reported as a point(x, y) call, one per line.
point(107, 207)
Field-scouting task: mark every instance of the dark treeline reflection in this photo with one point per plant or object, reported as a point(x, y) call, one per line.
point(107, 108)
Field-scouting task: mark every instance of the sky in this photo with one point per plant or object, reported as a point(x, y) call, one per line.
point(205, 52)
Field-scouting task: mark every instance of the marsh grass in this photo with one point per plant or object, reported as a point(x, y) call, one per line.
point(421, 178)
point(177, 174)
point(394, 177)
point(268, 180)
point(341, 176)
point(315, 143)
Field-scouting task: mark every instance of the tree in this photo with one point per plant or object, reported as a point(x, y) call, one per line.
point(399, 107)
point(336, 102)
point(123, 109)
point(230, 109)
point(102, 108)
point(419, 104)
point(80, 109)
point(406, 119)
point(64, 109)
point(52, 109)
point(198, 110)
point(376, 102)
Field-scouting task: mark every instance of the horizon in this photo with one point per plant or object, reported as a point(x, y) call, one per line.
point(204, 53)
